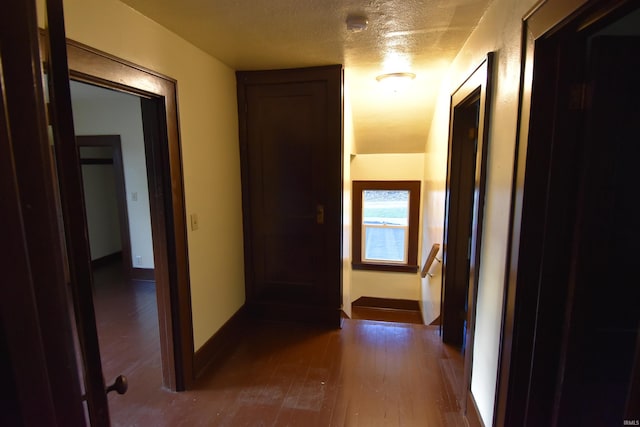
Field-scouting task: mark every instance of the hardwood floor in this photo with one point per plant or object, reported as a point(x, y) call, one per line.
point(367, 374)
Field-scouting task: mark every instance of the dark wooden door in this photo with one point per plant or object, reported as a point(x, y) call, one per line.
point(74, 223)
point(43, 359)
point(601, 330)
point(459, 215)
point(291, 148)
point(39, 378)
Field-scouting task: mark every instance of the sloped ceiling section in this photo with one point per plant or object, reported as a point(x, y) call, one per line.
point(418, 36)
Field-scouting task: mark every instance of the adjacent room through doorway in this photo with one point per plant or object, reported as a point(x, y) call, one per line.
point(110, 138)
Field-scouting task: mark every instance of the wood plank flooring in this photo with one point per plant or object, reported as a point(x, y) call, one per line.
point(367, 374)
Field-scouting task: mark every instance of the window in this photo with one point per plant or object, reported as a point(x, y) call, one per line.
point(385, 225)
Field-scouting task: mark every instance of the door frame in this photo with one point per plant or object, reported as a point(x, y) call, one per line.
point(114, 142)
point(477, 85)
point(158, 95)
point(536, 291)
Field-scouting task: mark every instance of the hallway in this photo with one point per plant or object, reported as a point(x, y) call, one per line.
point(367, 374)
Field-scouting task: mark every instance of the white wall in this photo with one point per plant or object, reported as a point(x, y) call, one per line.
point(208, 120)
point(102, 210)
point(435, 173)
point(349, 148)
point(383, 284)
point(98, 111)
point(500, 31)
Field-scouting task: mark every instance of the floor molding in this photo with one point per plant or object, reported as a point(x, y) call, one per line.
point(436, 321)
point(215, 346)
point(106, 260)
point(473, 415)
point(147, 274)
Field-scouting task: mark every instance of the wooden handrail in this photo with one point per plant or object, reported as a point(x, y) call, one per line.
point(429, 262)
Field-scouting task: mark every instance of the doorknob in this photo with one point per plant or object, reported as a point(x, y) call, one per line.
point(120, 385)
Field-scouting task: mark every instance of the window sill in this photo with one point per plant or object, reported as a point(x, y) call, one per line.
point(385, 267)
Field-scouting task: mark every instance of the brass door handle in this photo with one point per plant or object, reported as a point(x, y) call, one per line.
point(120, 385)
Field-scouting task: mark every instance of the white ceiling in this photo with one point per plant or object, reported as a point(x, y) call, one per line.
point(420, 36)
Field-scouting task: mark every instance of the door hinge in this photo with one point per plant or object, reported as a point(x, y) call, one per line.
point(469, 249)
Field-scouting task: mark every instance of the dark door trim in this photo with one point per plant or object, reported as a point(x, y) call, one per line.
point(166, 197)
point(477, 88)
point(114, 142)
point(543, 200)
point(482, 80)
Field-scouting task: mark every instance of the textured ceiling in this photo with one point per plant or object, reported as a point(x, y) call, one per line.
point(421, 36)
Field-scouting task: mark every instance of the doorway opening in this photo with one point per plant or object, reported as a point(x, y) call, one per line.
point(110, 139)
point(156, 102)
point(459, 215)
point(464, 212)
point(105, 198)
point(111, 144)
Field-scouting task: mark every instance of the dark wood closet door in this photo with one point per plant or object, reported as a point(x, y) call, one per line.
point(291, 148)
point(459, 216)
point(601, 341)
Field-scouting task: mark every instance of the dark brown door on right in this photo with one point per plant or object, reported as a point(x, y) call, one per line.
point(602, 339)
point(291, 153)
point(461, 185)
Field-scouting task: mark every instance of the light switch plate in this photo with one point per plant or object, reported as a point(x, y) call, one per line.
point(195, 224)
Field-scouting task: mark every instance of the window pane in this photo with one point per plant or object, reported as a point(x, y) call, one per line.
point(385, 244)
point(385, 220)
point(385, 207)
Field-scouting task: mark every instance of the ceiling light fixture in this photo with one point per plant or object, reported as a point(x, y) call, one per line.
point(356, 23)
point(396, 76)
point(395, 81)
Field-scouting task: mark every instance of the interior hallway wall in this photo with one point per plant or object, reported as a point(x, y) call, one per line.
point(348, 150)
point(499, 30)
point(208, 120)
point(433, 195)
